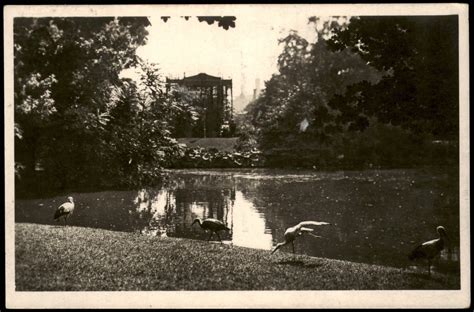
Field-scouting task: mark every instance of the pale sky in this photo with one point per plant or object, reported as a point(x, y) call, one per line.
point(243, 54)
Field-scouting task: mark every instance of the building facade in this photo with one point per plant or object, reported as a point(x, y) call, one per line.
point(214, 103)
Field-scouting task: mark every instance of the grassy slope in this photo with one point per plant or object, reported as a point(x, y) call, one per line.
point(74, 258)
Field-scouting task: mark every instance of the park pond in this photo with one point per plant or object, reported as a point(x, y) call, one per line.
point(377, 216)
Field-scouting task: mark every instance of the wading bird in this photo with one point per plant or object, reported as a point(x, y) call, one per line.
point(430, 249)
point(64, 210)
point(298, 230)
point(213, 225)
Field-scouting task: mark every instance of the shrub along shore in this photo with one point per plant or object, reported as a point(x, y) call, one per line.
point(57, 258)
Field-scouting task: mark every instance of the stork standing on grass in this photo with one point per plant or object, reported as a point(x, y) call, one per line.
point(213, 225)
point(64, 210)
point(293, 232)
point(430, 249)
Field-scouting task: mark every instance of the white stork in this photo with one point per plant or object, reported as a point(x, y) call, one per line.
point(64, 210)
point(292, 232)
point(430, 249)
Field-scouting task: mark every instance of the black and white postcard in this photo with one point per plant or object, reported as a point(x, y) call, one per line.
point(222, 156)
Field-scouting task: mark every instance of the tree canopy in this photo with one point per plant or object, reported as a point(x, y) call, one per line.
point(370, 90)
point(419, 56)
point(293, 110)
point(77, 122)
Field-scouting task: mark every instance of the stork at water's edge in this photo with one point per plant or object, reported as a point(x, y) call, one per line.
point(292, 232)
point(213, 225)
point(64, 210)
point(430, 249)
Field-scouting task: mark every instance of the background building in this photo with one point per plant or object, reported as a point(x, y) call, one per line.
point(215, 104)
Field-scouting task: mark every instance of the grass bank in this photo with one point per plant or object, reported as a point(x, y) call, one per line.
point(73, 258)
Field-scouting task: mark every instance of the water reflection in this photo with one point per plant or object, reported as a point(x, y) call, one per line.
point(378, 216)
point(154, 212)
point(170, 212)
point(249, 228)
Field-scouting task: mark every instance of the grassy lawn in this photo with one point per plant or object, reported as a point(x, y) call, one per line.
point(222, 144)
point(58, 258)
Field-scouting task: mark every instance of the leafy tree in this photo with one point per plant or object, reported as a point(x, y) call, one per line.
point(419, 58)
point(77, 123)
point(293, 114)
point(225, 22)
point(65, 72)
point(185, 114)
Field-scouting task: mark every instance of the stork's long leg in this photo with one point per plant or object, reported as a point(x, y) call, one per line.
point(293, 245)
point(429, 267)
point(278, 246)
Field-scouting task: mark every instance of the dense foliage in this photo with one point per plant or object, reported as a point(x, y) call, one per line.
point(214, 158)
point(369, 92)
point(78, 123)
point(419, 56)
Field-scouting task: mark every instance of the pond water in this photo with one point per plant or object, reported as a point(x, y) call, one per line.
point(377, 216)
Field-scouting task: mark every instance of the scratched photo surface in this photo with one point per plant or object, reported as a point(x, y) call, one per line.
point(219, 150)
